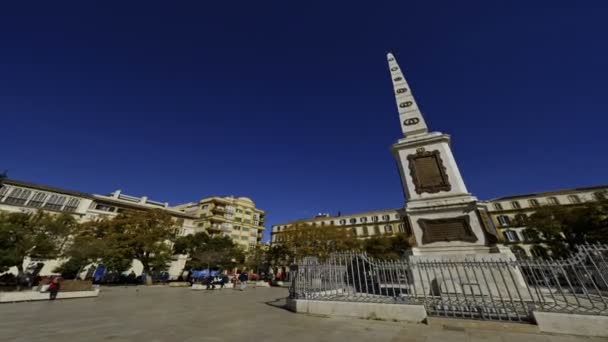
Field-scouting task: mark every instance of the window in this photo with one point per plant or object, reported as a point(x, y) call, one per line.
point(515, 205)
point(503, 220)
point(55, 202)
point(600, 195)
point(534, 203)
point(519, 252)
point(354, 231)
point(511, 236)
point(376, 230)
point(205, 206)
point(397, 216)
point(72, 205)
point(331, 223)
point(247, 221)
point(388, 228)
point(244, 238)
point(342, 221)
point(574, 199)
point(239, 228)
point(401, 227)
point(365, 231)
point(497, 206)
point(3, 191)
point(374, 218)
point(530, 234)
point(386, 217)
point(247, 212)
point(245, 229)
point(37, 200)
point(553, 201)
point(238, 219)
point(521, 219)
point(363, 219)
point(238, 211)
point(18, 196)
point(353, 220)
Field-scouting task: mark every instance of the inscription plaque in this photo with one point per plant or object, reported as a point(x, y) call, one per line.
point(428, 173)
point(444, 230)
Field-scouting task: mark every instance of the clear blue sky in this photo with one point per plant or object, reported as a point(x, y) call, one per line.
point(291, 104)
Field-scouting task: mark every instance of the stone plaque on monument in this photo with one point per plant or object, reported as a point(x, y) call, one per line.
point(428, 172)
point(448, 229)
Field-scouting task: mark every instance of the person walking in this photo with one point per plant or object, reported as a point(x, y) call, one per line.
point(243, 280)
point(223, 280)
point(54, 288)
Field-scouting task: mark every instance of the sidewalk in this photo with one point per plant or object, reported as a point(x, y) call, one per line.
point(180, 314)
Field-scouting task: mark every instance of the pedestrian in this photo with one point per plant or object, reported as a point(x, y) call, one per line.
point(223, 280)
point(243, 279)
point(54, 288)
point(209, 282)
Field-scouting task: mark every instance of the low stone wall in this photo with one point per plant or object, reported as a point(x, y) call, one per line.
point(572, 324)
point(204, 287)
point(392, 312)
point(26, 296)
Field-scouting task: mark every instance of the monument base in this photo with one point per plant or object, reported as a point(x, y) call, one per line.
point(469, 271)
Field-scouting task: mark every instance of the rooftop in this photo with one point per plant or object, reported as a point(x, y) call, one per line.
point(551, 193)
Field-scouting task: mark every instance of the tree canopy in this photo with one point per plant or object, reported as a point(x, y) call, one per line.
point(564, 227)
point(204, 251)
point(319, 241)
point(142, 235)
point(40, 235)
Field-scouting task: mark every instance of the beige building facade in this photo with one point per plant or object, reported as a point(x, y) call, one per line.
point(363, 225)
point(234, 217)
point(26, 197)
point(509, 214)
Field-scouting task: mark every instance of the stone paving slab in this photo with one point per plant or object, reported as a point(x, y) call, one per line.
point(179, 314)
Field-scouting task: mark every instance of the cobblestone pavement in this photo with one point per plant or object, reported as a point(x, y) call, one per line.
point(180, 314)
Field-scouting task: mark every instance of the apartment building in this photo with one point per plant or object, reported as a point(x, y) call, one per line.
point(510, 213)
point(26, 197)
point(363, 224)
point(235, 217)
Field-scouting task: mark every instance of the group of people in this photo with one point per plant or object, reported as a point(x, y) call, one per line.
point(210, 281)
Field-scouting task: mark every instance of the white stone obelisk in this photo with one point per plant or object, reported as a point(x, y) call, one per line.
point(444, 217)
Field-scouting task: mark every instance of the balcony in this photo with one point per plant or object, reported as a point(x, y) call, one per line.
point(218, 209)
point(215, 228)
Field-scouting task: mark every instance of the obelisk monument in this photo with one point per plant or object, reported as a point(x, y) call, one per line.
point(444, 217)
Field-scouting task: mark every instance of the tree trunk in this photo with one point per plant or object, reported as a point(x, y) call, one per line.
point(148, 278)
point(20, 275)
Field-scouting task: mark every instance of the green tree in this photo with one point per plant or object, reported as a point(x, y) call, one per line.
point(318, 241)
point(256, 259)
point(206, 251)
point(563, 228)
point(386, 246)
point(38, 235)
point(145, 236)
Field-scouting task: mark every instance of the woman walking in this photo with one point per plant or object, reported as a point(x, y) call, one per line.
point(54, 288)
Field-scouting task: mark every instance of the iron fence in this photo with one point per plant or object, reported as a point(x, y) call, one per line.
point(480, 287)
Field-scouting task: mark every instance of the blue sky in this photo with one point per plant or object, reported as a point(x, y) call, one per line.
point(291, 103)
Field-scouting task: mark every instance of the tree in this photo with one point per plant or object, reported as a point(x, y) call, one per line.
point(563, 228)
point(38, 235)
point(145, 236)
point(97, 242)
point(318, 241)
point(205, 252)
point(256, 259)
point(387, 247)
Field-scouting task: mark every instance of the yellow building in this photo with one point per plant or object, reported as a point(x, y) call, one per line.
point(510, 213)
point(363, 224)
point(235, 217)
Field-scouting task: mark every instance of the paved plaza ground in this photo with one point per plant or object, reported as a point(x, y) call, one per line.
point(180, 314)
